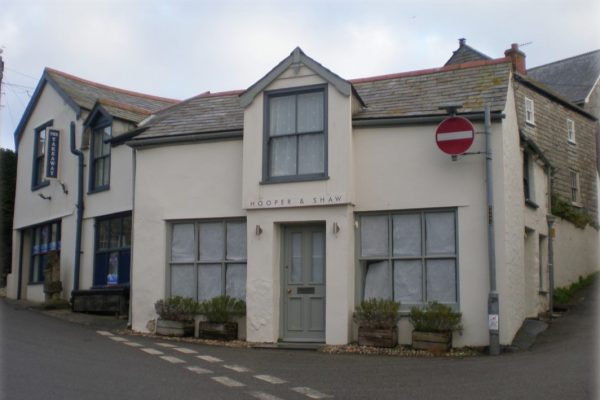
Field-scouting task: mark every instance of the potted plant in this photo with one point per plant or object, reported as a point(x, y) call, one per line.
point(220, 313)
point(434, 325)
point(176, 316)
point(377, 321)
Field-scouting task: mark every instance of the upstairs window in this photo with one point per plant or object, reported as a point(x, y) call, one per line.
point(529, 111)
point(100, 159)
point(571, 131)
point(575, 191)
point(295, 135)
point(39, 156)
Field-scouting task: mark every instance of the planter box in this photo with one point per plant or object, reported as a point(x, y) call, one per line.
point(226, 331)
point(436, 342)
point(378, 337)
point(166, 327)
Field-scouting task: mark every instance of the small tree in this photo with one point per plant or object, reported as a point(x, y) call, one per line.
point(8, 176)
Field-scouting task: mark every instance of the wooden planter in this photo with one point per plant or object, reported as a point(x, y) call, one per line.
point(210, 330)
point(436, 342)
point(166, 327)
point(386, 337)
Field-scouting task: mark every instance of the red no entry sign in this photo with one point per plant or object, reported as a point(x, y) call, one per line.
point(454, 135)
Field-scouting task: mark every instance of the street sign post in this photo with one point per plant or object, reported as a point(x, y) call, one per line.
point(455, 135)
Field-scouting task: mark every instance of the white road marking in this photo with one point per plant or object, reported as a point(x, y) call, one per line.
point(104, 333)
point(185, 350)
point(271, 379)
point(133, 344)
point(117, 338)
point(210, 359)
point(154, 352)
point(172, 359)
point(263, 396)
point(199, 370)
point(236, 368)
point(228, 381)
point(313, 394)
point(166, 345)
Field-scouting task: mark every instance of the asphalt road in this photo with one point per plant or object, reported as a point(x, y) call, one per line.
point(48, 358)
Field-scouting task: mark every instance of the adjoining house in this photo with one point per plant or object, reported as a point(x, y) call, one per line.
point(307, 193)
point(74, 191)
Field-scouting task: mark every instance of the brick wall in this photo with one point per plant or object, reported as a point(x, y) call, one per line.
point(550, 133)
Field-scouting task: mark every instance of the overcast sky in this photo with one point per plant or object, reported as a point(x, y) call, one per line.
point(181, 48)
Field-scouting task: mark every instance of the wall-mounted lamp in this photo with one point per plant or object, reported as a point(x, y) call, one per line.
point(258, 230)
point(43, 196)
point(336, 228)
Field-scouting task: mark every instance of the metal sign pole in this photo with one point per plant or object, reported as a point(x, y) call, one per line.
point(493, 298)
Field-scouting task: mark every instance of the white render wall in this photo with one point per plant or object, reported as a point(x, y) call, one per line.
point(575, 252)
point(178, 182)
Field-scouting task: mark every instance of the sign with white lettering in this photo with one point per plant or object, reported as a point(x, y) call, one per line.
point(304, 201)
point(52, 155)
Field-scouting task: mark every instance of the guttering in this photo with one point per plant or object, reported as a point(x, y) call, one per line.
point(194, 137)
point(423, 119)
point(79, 207)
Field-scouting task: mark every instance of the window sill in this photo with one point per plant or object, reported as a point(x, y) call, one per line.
point(572, 142)
point(543, 292)
point(40, 185)
point(577, 204)
point(531, 204)
point(530, 123)
point(35, 283)
point(99, 190)
point(292, 179)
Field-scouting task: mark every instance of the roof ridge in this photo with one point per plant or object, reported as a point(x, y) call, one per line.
point(111, 88)
point(219, 94)
point(451, 67)
point(564, 59)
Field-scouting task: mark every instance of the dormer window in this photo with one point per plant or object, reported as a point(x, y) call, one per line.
point(295, 139)
point(529, 111)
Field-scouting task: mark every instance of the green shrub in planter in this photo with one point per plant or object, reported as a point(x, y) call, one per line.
point(377, 321)
point(222, 309)
point(377, 313)
point(182, 309)
point(435, 317)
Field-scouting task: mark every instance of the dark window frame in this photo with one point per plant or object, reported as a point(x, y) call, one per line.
point(36, 272)
point(364, 261)
point(120, 249)
point(266, 159)
point(37, 181)
point(99, 123)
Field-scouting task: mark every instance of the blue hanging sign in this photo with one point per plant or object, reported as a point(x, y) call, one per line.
point(52, 158)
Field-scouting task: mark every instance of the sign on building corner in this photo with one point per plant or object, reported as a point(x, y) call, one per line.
point(52, 154)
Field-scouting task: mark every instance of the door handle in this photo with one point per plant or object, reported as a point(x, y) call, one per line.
point(289, 291)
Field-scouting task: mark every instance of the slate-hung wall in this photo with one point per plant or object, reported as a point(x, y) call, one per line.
point(550, 132)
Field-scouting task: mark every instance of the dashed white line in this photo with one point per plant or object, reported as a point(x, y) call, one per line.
point(313, 394)
point(154, 352)
point(263, 396)
point(210, 359)
point(227, 381)
point(133, 344)
point(166, 345)
point(104, 333)
point(271, 379)
point(172, 359)
point(199, 370)
point(236, 368)
point(185, 350)
point(117, 338)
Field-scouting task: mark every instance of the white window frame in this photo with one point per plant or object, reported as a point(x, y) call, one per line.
point(365, 261)
point(197, 262)
point(529, 111)
point(571, 131)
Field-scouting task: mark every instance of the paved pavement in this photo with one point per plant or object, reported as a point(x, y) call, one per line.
point(82, 363)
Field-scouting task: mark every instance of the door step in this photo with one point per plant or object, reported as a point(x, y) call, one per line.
point(289, 345)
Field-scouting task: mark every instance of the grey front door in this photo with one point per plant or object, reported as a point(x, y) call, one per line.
point(304, 283)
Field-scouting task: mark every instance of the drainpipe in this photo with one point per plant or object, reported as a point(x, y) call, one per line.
point(79, 207)
point(551, 219)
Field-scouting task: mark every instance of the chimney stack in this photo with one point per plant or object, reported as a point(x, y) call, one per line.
point(462, 42)
point(517, 57)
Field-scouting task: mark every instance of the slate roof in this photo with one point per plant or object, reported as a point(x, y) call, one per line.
point(573, 78)
point(421, 93)
point(206, 113)
point(123, 104)
point(465, 53)
point(418, 93)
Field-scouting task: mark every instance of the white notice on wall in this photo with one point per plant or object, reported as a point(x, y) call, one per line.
point(493, 322)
